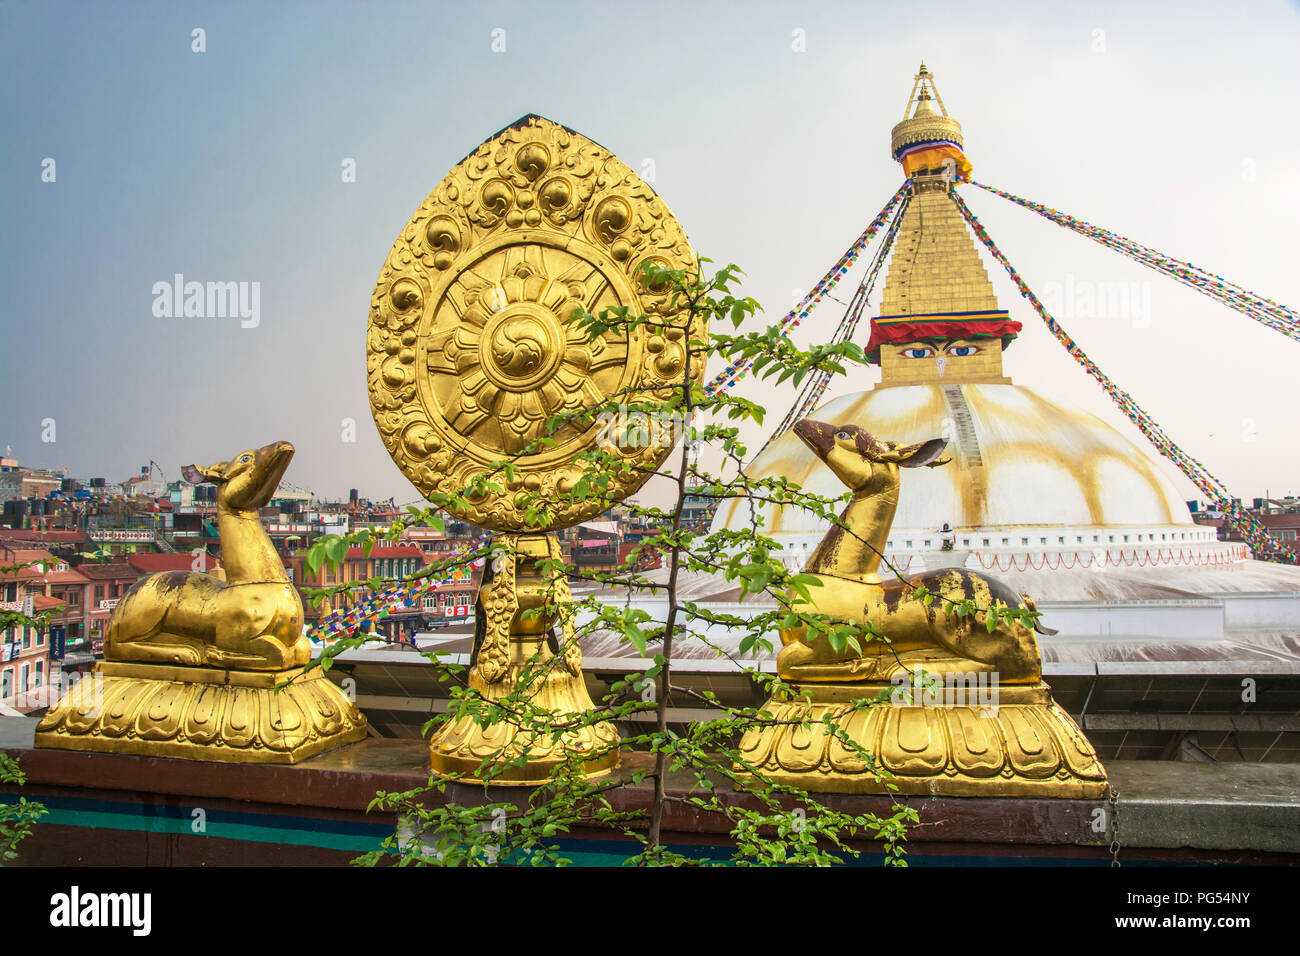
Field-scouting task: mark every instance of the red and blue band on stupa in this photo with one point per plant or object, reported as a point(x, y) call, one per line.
point(946, 326)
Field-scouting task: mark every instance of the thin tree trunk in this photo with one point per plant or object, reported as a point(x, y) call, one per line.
point(674, 565)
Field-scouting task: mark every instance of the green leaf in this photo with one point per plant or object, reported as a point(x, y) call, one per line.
point(336, 549)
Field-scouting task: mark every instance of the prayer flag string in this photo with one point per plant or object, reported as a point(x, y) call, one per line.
point(1262, 310)
point(737, 369)
point(817, 383)
point(1252, 531)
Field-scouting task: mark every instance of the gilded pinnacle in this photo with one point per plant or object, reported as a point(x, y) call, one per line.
point(925, 124)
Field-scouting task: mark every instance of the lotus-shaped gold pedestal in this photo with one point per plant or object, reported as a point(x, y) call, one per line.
point(460, 746)
point(525, 650)
point(202, 713)
point(1024, 745)
point(978, 720)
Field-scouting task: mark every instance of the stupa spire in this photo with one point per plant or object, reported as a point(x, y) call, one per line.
point(928, 138)
point(939, 321)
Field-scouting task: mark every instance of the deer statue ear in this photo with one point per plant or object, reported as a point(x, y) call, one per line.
point(923, 453)
point(196, 475)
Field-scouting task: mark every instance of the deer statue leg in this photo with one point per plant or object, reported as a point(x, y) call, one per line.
point(816, 661)
point(807, 655)
point(1010, 648)
point(260, 628)
point(139, 628)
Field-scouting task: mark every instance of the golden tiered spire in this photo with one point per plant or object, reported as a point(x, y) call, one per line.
point(935, 268)
point(939, 320)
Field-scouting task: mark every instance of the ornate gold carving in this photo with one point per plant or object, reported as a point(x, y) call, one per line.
point(925, 125)
point(1024, 744)
point(202, 713)
point(924, 129)
point(539, 652)
point(470, 344)
point(472, 351)
point(461, 746)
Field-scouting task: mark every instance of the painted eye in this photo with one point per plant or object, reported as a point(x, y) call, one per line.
point(843, 436)
point(916, 353)
point(247, 458)
point(963, 350)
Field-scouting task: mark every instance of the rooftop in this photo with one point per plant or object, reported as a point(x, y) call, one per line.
point(154, 563)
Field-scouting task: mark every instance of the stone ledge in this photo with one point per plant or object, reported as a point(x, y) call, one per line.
point(1212, 806)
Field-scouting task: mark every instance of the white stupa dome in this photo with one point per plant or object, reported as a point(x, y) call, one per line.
point(1018, 459)
point(1032, 484)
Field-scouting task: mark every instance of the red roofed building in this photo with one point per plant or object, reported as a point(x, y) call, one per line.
point(144, 564)
point(390, 562)
point(10, 557)
point(63, 544)
point(26, 670)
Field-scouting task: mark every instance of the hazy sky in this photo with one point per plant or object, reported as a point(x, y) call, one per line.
point(1171, 123)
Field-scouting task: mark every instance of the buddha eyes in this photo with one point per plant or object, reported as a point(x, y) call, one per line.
point(925, 351)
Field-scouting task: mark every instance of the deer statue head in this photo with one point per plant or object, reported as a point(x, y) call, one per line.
point(863, 462)
point(247, 481)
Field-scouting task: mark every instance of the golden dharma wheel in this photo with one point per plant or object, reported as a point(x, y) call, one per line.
point(471, 348)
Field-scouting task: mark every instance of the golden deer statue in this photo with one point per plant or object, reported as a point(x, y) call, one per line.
point(204, 668)
point(847, 561)
point(981, 722)
point(250, 621)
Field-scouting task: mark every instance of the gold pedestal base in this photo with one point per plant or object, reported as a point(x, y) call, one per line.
point(460, 746)
point(1025, 746)
point(200, 713)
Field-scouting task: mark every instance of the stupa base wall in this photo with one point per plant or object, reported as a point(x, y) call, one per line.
point(115, 810)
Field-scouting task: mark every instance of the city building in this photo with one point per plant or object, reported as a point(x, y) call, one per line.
point(17, 482)
point(443, 604)
point(28, 662)
point(68, 544)
point(593, 545)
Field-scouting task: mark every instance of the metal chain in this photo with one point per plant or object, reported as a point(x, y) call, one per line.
point(1113, 800)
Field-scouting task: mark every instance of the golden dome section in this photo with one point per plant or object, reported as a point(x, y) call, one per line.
point(924, 128)
point(1018, 459)
point(472, 351)
point(926, 124)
